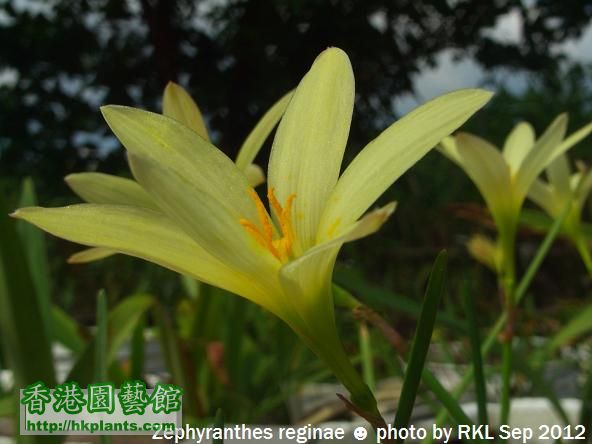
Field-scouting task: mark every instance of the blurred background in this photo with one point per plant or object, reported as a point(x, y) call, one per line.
point(61, 60)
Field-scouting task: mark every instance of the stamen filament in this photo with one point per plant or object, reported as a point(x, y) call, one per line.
point(281, 248)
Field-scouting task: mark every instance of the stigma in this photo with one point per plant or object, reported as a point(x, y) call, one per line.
point(281, 247)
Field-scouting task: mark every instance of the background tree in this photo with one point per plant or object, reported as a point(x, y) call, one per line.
point(236, 58)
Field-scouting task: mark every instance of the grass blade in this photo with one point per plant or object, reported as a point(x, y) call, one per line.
point(219, 424)
point(475, 340)
point(101, 341)
point(366, 355)
point(578, 325)
point(379, 297)
point(586, 412)
point(539, 384)
point(101, 338)
point(178, 362)
point(520, 292)
point(66, 330)
point(123, 319)
point(421, 342)
point(33, 240)
point(138, 350)
point(24, 340)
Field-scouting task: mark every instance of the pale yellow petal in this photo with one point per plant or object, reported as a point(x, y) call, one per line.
point(141, 233)
point(544, 196)
point(254, 141)
point(178, 104)
point(518, 144)
point(558, 173)
point(485, 251)
point(486, 167)
point(541, 155)
point(311, 138)
point(311, 273)
point(91, 255)
point(396, 150)
point(102, 188)
point(212, 223)
point(255, 175)
point(168, 143)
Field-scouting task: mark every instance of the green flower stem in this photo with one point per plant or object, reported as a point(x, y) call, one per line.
point(506, 381)
point(507, 279)
point(582, 247)
point(520, 291)
point(475, 341)
point(366, 354)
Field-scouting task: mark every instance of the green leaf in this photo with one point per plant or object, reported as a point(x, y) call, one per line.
point(123, 319)
point(35, 249)
point(474, 337)
point(521, 289)
point(374, 296)
point(138, 350)
point(8, 405)
point(102, 344)
point(178, 362)
point(101, 338)
point(25, 343)
point(66, 331)
point(539, 384)
point(586, 411)
point(577, 326)
point(421, 342)
point(219, 423)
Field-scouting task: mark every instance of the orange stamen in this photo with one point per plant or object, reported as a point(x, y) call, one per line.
point(263, 240)
point(277, 208)
point(286, 223)
point(262, 213)
point(281, 248)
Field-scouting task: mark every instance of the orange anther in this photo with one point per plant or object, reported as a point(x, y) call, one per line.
point(262, 213)
point(281, 248)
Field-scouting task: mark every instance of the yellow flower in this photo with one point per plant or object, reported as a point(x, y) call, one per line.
point(505, 177)
point(205, 220)
point(561, 187)
point(176, 103)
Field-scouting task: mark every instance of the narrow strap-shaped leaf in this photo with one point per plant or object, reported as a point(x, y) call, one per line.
point(490, 339)
point(366, 355)
point(180, 367)
point(138, 350)
point(35, 250)
point(66, 330)
point(586, 411)
point(421, 342)
point(219, 423)
point(122, 322)
point(101, 338)
point(474, 337)
point(23, 338)
point(102, 345)
point(539, 384)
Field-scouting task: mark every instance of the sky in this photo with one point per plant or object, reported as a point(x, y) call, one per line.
point(450, 74)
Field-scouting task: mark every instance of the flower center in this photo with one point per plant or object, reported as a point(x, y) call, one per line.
point(281, 247)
